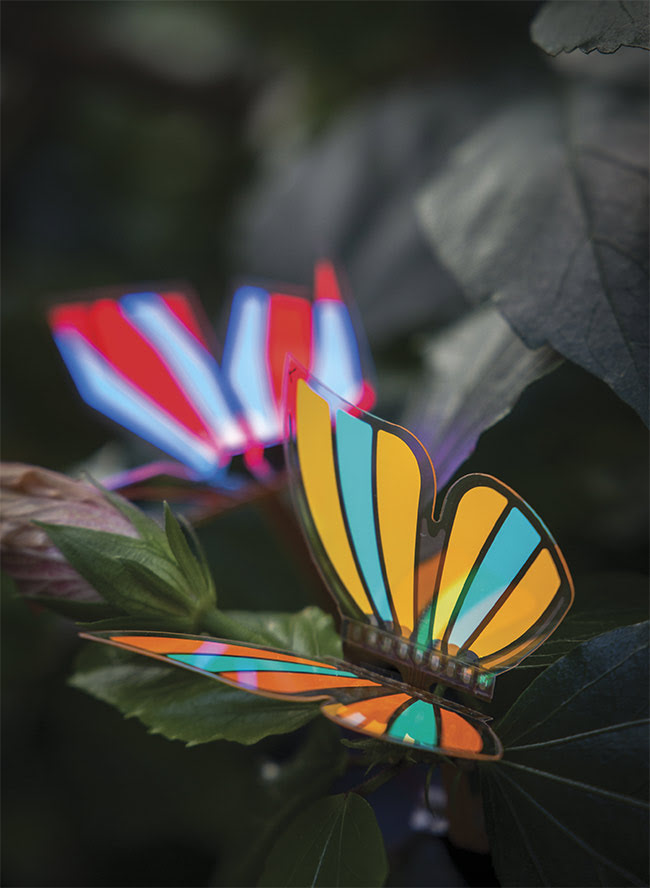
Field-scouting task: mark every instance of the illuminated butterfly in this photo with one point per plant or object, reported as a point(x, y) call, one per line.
point(424, 603)
point(143, 361)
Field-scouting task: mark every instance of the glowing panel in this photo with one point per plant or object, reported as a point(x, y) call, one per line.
point(294, 683)
point(416, 724)
point(476, 515)
point(354, 440)
point(105, 390)
point(513, 545)
point(169, 644)
point(194, 367)
point(398, 497)
point(178, 304)
point(336, 353)
point(316, 457)
point(373, 715)
point(224, 663)
point(135, 359)
point(458, 733)
point(522, 608)
point(244, 361)
point(289, 333)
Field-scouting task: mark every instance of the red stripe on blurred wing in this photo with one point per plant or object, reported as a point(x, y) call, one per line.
point(289, 332)
point(180, 307)
point(326, 285)
point(132, 356)
point(73, 316)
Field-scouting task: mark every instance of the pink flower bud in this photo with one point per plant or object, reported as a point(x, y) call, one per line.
point(29, 493)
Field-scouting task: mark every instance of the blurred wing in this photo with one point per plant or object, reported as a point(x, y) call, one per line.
point(361, 488)
point(265, 327)
point(142, 361)
point(359, 703)
point(502, 585)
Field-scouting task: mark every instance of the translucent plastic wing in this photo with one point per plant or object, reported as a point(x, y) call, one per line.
point(457, 599)
point(142, 361)
point(354, 698)
point(265, 327)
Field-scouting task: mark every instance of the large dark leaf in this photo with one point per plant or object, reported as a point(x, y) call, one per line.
point(335, 842)
point(474, 373)
point(604, 601)
point(568, 803)
point(545, 211)
point(351, 196)
point(565, 25)
point(290, 785)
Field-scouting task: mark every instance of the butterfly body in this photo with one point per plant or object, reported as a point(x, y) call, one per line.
point(419, 667)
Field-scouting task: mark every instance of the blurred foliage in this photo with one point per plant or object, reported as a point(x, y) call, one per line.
point(594, 24)
point(203, 140)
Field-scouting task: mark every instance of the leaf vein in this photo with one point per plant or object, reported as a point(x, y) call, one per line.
point(575, 838)
point(584, 687)
point(576, 784)
point(618, 727)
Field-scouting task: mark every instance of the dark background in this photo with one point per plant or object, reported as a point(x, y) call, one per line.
point(146, 141)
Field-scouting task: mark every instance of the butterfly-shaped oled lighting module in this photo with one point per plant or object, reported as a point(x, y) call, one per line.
point(143, 361)
point(425, 604)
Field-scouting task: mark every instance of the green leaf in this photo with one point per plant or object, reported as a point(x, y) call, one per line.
point(568, 803)
point(544, 212)
point(128, 573)
point(182, 705)
point(606, 601)
point(188, 564)
point(290, 786)
point(335, 842)
point(310, 631)
point(148, 529)
point(565, 25)
point(200, 556)
point(164, 623)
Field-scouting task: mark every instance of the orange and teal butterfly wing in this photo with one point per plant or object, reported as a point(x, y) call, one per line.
point(353, 700)
point(426, 724)
point(361, 487)
point(261, 670)
point(502, 584)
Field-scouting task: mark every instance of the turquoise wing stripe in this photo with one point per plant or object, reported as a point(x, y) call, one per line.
point(220, 663)
point(418, 721)
point(354, 454)
point(513, 545)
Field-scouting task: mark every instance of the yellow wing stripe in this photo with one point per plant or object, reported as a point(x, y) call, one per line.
point(398, 496)
point(523, 608)
point(476, 515)
point(316, 457)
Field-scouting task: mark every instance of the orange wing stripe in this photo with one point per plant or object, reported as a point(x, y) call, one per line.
point(157, 644)
point(457, 733)
point(293, 682)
